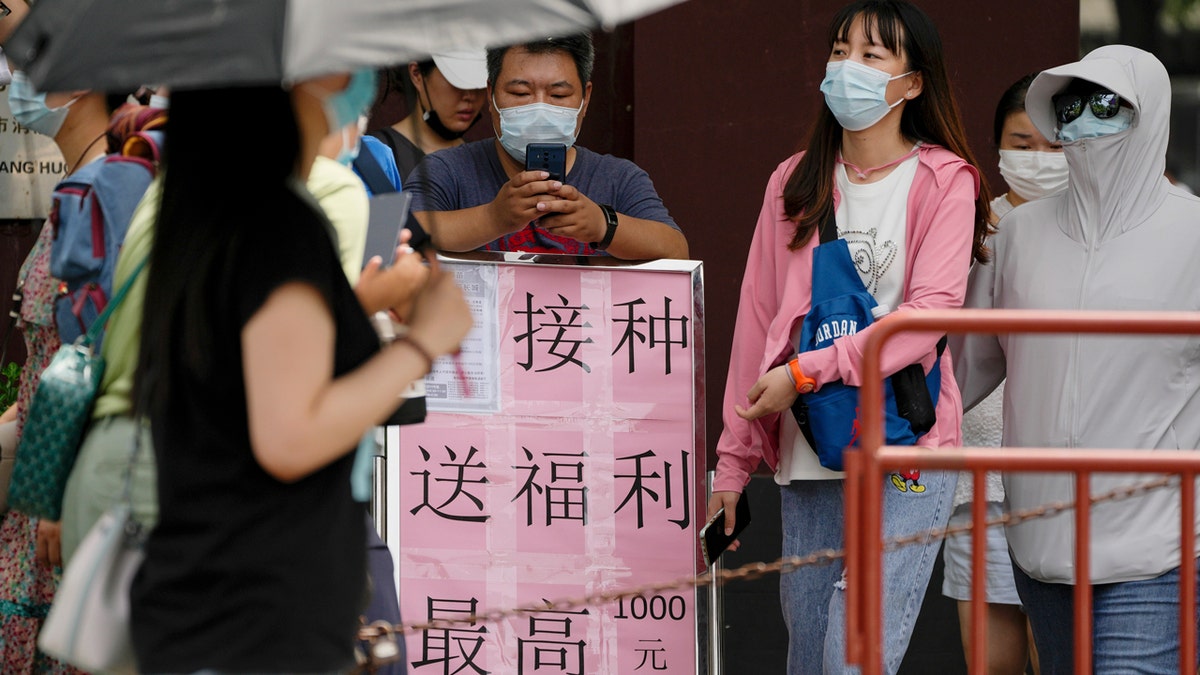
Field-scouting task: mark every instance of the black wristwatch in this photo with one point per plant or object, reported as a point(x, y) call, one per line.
point(610, 221)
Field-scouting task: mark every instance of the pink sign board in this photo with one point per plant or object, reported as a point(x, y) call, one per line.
point(590, 478)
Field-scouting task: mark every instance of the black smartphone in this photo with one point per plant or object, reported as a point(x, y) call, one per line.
point(712, 536)
point(387, 215)
point(549, 157)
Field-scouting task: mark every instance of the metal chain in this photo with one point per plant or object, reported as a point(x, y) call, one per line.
point(381, 632)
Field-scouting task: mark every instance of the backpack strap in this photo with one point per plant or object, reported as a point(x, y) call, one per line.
point(372, 174)
point(146, 145)
point(97, 326)
point(377, 181)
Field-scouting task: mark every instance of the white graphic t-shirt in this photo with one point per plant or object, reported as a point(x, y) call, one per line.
point(873, 220)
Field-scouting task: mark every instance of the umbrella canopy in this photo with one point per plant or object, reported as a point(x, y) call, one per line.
point(121, 44)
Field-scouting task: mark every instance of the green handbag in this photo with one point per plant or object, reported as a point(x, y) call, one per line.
point(58, 414)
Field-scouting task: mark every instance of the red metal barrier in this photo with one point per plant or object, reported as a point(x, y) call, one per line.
point(866, 467)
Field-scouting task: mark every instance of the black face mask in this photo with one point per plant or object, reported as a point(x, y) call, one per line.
point(431, 118)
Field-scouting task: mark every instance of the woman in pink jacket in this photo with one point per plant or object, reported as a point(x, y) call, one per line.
point(888, 160)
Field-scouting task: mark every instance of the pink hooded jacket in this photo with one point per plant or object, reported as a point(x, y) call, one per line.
point(776, 293)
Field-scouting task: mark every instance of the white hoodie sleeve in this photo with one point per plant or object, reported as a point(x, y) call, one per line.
point(979, 363)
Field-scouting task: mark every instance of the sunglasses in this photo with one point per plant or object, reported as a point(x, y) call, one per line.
point(1068, 107)
point(4, 10)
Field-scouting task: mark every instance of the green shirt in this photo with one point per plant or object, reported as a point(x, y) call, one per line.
point(336, 188)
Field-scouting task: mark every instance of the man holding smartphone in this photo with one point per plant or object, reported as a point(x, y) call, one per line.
point(481, 195)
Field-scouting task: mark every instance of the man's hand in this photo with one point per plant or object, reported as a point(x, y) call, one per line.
point(517, 201)
point(569, 213)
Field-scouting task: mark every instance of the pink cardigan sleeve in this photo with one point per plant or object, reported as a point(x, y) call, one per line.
point(741, 446)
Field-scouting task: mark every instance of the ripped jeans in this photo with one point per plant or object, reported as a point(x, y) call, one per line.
point(813, 599)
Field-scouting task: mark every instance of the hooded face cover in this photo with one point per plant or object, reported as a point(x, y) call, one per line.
point(1117, 164)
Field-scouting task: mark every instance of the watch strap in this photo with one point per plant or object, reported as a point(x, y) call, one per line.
point(804, 384)
point(610, 222)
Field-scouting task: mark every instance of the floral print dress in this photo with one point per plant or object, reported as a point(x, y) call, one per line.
point(27, 587)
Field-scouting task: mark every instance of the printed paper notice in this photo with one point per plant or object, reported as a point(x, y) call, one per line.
point(469, 383)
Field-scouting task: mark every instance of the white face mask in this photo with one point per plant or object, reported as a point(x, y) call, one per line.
point(1032, 174)
point(536, 123)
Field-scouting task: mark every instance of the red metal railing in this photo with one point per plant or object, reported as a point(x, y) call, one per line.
point(866, 467)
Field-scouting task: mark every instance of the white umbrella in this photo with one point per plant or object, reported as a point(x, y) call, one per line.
point(121, 44)
point(402, 30)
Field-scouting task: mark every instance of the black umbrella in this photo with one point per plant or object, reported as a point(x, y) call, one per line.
point(118, 45)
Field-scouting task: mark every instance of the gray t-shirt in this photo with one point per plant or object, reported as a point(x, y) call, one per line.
point(471, 174)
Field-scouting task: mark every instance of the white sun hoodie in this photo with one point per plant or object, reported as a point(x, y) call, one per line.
point(1119, 238)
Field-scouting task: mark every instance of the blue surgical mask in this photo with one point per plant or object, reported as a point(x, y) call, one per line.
point(1088, 125)
point(536, 123)
point(29, 107)
point(857, 94)
point(349, 151)
point(347, 105)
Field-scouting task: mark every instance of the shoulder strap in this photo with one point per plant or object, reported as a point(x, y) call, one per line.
point(93, 331)
point(372, 174)
point(828, 229)
point(386, 135)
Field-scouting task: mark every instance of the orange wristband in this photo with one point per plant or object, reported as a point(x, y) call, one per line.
point(804, 384)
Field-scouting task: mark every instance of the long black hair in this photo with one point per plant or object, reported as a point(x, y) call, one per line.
point(1011, 101)
point(932, 117)
point(212, 190)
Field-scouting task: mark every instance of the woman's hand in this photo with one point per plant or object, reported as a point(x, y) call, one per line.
point(728, 501)
point(49, 543)
point(395, 287)
point(440, 315)
point(774, 392)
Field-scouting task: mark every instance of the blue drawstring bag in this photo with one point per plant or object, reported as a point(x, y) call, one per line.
point(841, 305)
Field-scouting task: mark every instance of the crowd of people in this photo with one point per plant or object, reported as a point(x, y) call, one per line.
point(251, 380)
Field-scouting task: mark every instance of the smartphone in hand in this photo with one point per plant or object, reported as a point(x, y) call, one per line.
point(713, 539)
point(387, 215)
point(548, 157)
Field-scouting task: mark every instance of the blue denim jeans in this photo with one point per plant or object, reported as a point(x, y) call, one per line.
point(813, 598)
point(1135, 624)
